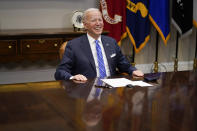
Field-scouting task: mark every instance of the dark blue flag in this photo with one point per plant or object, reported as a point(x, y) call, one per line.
point(159, 15)
point(138, 26)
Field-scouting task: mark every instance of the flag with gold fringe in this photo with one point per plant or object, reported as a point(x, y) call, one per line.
point(159, 15)
point(138, 25)
point(114, 15)
point(182, 16)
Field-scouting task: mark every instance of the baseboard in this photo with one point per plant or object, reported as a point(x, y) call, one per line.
point(22, 76)
point(166, 67)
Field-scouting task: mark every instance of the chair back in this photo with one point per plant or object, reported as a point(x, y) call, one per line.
point(62, 49)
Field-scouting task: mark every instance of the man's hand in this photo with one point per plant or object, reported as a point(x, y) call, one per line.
point(79, 77)
point(138, 73)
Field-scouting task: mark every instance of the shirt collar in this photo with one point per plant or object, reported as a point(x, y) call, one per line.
point(91, 39)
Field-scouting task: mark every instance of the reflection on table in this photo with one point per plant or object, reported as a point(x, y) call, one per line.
point(169, 105)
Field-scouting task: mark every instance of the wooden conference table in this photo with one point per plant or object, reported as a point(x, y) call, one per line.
point(169, 105)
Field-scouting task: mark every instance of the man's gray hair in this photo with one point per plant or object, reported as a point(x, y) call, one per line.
point(86, 12)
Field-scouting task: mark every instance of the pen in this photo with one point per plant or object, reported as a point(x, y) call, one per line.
point(129, 85)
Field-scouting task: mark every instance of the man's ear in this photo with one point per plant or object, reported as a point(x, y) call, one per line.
point(85, 27)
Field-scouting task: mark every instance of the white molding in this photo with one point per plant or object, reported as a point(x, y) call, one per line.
point(166, 66)
point(10, 77)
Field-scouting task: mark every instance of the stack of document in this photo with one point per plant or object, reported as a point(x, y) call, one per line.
point(123, 82)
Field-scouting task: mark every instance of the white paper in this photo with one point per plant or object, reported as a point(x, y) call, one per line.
point(122, 82)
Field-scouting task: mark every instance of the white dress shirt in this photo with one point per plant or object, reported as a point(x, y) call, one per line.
point(94, 53)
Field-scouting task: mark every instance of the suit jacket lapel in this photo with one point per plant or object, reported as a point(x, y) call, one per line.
point(85, 46)
point(106, 47)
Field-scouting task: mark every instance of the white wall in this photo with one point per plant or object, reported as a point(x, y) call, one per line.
point(23, 14)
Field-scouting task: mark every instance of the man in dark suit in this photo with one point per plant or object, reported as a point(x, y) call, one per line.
point(80, 60)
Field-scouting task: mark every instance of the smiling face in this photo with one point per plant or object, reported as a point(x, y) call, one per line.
point(93, 23)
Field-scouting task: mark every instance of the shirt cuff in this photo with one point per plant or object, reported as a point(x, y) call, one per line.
point(71, 78)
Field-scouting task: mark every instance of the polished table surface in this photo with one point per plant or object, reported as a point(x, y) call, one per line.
point(169, 105)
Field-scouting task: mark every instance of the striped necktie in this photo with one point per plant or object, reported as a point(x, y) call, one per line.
point(102, 71)
point(97, 93)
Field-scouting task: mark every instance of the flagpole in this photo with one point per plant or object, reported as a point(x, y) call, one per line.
point(176, 57)
point(133, 58)
point(156, 53)
point(195, 58)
